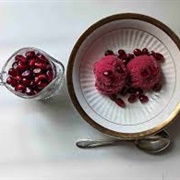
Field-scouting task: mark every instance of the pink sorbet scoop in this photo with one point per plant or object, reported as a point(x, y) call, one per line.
point(110, 74)
point(144, 71)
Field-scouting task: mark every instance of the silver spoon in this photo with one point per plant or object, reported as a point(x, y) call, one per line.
point(150, 144)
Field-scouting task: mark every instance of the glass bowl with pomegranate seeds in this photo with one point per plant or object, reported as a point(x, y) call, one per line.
point(31, 73)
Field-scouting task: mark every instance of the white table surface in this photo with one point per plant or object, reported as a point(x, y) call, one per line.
point(37, 141)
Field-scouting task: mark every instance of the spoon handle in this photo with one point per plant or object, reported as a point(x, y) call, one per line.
point(88, 143)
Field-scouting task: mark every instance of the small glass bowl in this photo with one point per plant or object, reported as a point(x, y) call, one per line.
point(52, 89)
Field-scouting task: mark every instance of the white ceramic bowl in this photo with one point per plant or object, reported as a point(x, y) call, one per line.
point(125, 31)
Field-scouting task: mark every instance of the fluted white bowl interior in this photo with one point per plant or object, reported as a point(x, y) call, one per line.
point(127, 34)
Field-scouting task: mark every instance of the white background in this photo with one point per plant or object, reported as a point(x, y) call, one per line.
point(37, 140)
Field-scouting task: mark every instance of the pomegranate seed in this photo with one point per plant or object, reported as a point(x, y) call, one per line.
point(120, 102)
point(40, 65)
point(122, 54)
point(9, 80)
point(119, 69)
point(113, 97)
point(152, 53)
point(159, 57)
point(41, 58)
point(37, 71)
point(107, 73)
point(42, 85)
point(145, 51)
point(131, 90)
point(42, 77)
point(14, 83)
point(20, 88)
point(125, 61)
point(26, 73)
point(30, 54)
point(48, 67)
point(32, 63)
point(36, 80)
point(130, 56)
point(33, 83)
point(49, 75)
point(15, 65)
point(145, 73)
point(143, 98)
point(137, 52)
point(132, 98)
point(29, 91)
point(124, 91)
point(108, 52)
point(138, 92)
point(13, 72)
point(25, 81)
point(17, 78)
point(21, 66)
point(157, 87)
point(21, 58)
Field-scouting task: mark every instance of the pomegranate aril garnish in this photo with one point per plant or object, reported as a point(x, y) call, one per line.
point(137, 52)
point(159, 57)
point(145, 51)
point(13, 72)
point(108, 52)
point(20, 88)
point(130, 56)
point(27, 73)
point(20, 58)
point(119, 69)
point(143, 98)
point(107, 73)
point(37, 71)
point(32, 63)
point(152, 53)
point(122, 54)
point(124, 91)
point(49, 75)
point(30, 54)
point(113, 97)
point(138, 92)
point(125, 61)
point(157, 87)
point(120, 102)
point(132, 90)
point(132, 98)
